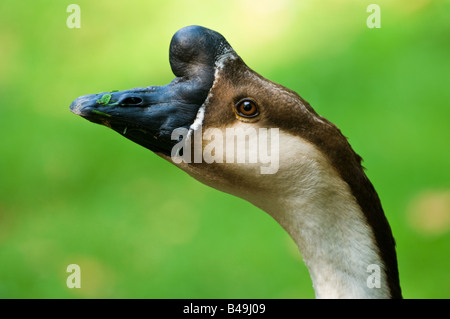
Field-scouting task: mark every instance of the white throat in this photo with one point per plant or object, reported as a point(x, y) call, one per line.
point(336, 244)
point(310, 200)
point(320, 213)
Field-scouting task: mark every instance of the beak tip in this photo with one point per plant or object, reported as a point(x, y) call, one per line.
point(82, 104)
point(75, 108)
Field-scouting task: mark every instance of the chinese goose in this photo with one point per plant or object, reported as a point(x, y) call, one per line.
point(316, 188)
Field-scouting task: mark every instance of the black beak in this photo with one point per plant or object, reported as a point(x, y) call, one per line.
point(148, 115)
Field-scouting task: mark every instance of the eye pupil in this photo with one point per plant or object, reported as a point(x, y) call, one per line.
point(247, 108)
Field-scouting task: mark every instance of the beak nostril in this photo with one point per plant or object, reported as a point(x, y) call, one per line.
point(132, 100)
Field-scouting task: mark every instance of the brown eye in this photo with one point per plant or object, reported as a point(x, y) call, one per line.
point(247, 108)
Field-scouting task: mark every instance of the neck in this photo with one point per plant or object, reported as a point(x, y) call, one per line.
point(338, 244)
point(348, 250)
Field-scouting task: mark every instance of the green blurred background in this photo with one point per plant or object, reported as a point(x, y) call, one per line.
point(75, 192)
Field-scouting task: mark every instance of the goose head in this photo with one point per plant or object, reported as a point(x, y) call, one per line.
point(236, 131)
point(213, 89)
